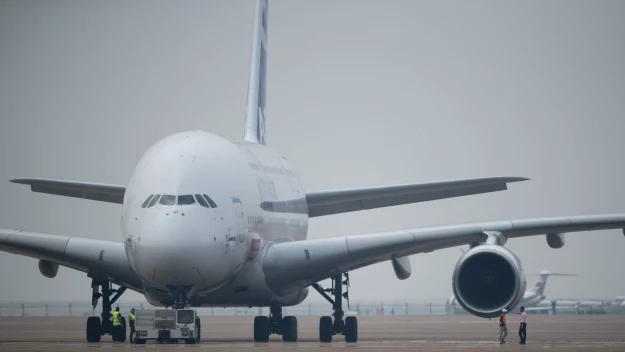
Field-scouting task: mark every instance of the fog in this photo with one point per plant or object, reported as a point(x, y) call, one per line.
point(360, 93)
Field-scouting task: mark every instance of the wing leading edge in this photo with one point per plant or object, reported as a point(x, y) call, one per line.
point(292, 265)
point(97, 258)
point(94, 191)
point(329, 202)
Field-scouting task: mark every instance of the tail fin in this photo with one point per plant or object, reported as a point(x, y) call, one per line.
point(540, 285)
point(256, 94)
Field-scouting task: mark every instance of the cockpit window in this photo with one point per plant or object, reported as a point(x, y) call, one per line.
point(145, 204)
point(210, 201)
point(201, 200)
point(187, 199)
point(154, 200)
point(168, 200)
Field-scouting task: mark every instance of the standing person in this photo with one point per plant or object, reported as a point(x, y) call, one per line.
point(116, 317)
point(503, 328)
point(523, 326)
point(131, 322)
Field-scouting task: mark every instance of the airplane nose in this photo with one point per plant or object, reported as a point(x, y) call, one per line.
point(173, 251)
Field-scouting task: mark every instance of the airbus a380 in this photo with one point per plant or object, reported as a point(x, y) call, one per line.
point(211, 222)
point(530, 298)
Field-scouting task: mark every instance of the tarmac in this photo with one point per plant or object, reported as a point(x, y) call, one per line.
point(376, 333)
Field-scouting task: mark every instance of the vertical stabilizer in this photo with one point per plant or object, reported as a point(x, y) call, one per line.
point(256, 93)
point(542, 283)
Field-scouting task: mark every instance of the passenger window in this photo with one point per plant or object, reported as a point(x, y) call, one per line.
point(186, 200)
point(145, 204)
point(201, 200)
point(210, 201)
point(168, 200)
point(154, 200)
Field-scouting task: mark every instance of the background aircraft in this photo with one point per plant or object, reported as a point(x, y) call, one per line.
point(209, 222)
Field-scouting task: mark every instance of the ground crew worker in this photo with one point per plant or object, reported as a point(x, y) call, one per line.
point(116, 317)
point(523, 326)
point(131, 320)
point(503, 328)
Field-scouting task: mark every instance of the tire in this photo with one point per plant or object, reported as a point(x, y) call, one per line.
point(198, 328)
point(289, 329)
point(325, 329)
point(261, 329)
point(190, 341)
point(351, 329)
point(122, 331)
point(93, 329)
point(139, 341)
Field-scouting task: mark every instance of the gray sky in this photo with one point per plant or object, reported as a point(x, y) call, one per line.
point(360, 93)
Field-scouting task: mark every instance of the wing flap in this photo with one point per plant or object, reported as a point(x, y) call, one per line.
point(322, 203)
point(93, 191)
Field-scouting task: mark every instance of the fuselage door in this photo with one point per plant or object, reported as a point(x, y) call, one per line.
point(237, 206)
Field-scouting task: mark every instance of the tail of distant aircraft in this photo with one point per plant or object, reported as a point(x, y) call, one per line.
point(256, 94)
point(542, 282)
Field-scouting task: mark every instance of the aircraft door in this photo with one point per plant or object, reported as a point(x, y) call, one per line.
point(237, 206)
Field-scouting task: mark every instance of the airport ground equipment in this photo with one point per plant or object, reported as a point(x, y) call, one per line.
point(167, 325)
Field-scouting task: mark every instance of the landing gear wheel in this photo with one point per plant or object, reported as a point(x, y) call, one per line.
point(93, 329)
point(198, 329)
point(122, 331)
point(351, 329)
point(289, 329)
point(325, 329)
point(261, 329)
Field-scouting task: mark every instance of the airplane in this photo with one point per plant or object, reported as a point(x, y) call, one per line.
point(211, 222)
point(615, 306)
point(531, 298)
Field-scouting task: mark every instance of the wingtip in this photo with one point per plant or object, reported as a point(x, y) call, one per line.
point(518, 179)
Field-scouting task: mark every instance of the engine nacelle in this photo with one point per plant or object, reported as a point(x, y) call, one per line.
point(487, 279)
point(48, 269)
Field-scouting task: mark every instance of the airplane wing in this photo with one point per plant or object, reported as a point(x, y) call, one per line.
point(98, 259)
point(329, 202)
point(93, 191)
point(292, 265)
point(320, 203)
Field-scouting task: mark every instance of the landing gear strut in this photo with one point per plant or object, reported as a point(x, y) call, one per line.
point(275, 323)
point(347, 327)
point(97, 327)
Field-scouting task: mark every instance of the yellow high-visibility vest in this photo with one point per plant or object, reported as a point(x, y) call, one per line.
point(117, 319)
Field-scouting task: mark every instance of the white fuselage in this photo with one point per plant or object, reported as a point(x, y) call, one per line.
point(258, 197)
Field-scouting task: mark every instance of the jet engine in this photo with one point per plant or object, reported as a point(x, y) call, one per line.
point(487, 279)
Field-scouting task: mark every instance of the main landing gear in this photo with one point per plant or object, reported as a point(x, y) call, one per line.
point(275, 324)
point(287, 326)
point(347, 327)
point(97, 327)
